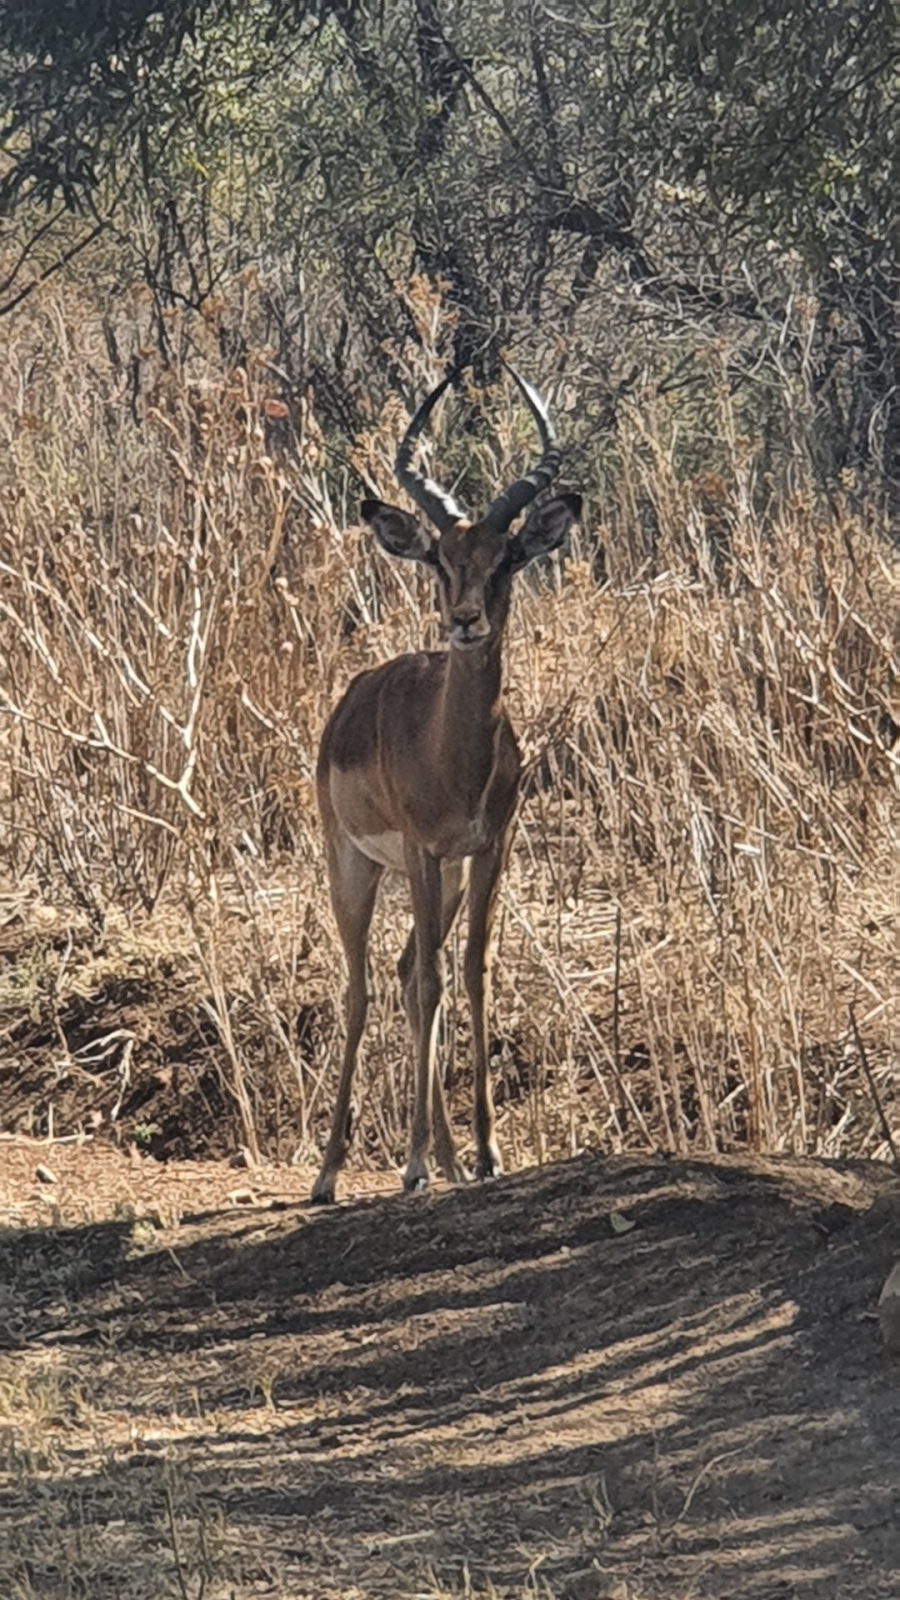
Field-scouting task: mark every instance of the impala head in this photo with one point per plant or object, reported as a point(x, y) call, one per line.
point(475, 561)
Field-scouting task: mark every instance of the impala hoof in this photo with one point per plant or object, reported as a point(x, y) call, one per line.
point(416, 1178)
point(323, 1190)
point(452, 1168)
point(458, 1174)
point(489, 1166)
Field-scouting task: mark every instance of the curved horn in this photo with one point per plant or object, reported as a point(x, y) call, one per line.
point(437, 505)
point(507, 506)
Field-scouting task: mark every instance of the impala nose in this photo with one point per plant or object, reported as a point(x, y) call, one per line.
point(465, 621)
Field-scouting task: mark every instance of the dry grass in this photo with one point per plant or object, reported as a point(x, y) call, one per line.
point(704, 888)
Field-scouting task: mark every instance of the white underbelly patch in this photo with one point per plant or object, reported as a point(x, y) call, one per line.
point(385, 848)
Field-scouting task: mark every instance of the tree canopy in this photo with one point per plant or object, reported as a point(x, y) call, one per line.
point(624, 187)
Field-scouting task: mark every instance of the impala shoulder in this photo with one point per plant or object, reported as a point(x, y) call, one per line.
point(354, 732)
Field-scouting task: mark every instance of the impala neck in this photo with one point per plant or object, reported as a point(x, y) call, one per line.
point(471, 708)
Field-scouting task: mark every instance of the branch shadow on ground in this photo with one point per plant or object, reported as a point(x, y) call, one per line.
point(697, 1403)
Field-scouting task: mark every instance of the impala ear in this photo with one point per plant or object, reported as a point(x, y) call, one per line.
point(544, 529)
point(398, 532)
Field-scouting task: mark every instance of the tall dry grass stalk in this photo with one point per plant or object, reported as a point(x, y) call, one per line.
point(705, 879)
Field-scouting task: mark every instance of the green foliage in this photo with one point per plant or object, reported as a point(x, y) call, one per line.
point(701, 170)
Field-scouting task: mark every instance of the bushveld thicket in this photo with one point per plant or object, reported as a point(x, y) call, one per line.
point(697, 937)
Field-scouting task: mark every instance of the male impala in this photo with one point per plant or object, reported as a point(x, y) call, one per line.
point(419, 770)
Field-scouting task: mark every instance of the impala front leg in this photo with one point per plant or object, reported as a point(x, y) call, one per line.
point(353, 880)
point(483, 885)
point(425, 885)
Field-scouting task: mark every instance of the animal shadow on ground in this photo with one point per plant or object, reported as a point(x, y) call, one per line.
point(627, 1377)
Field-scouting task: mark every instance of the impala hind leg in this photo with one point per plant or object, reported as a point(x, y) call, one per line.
point(353, 880)
point(453, 884)
point(483, 886)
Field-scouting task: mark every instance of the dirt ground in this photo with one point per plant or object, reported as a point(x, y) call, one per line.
point(629, 1378)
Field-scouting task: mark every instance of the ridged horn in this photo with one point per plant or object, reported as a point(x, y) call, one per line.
point(438, 506)
point(507, 506)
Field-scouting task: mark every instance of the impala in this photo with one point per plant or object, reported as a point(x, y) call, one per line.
point(418, 770)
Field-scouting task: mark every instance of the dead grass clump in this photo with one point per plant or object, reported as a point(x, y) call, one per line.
point(704, 884)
